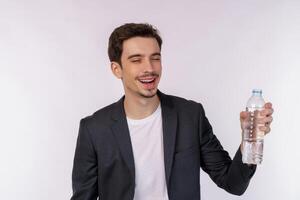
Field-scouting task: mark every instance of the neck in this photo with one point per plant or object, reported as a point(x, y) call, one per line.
point(138, 107)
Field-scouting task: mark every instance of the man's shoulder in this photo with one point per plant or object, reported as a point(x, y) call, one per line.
point(183, 102)
point(187, 109)
point(102, 115)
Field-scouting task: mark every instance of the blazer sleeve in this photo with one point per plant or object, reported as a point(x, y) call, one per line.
point(232, 175)
point(84, 174)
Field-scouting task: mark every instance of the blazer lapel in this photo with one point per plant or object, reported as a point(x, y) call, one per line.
point(169, 120)
point(121, 132)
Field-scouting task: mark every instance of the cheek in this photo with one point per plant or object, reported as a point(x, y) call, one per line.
point(129, 76)
point(158, 69)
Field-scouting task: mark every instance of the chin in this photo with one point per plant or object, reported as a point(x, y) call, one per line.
point(149, 94)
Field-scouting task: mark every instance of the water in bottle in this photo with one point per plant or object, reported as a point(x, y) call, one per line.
point(253, 137)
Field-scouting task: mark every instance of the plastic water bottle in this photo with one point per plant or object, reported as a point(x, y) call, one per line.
point(253, 138)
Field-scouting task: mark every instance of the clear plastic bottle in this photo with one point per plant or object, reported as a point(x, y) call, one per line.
point(253, 138)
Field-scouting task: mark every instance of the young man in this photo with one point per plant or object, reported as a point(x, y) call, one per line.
point(149, 145)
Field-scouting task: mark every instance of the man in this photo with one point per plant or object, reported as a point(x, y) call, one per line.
point(149, 145)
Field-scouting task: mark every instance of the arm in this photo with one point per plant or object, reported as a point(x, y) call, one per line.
point(84, 175)
point(231, 175)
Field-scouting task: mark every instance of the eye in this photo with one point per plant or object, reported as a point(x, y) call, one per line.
point(136, 61)
point(156, 58)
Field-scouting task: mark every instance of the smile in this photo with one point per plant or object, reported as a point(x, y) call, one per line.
point(148, 83)
point(147, 80)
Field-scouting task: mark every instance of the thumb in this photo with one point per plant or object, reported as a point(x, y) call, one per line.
point(243, 115)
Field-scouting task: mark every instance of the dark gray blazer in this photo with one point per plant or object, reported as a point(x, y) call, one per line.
point(104, 162)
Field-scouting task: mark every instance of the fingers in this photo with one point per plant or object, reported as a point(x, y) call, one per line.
point(261, 118)
point(268, 105)
point(262, 123)
point(264, 120)
point(244, 115)
point(266, 129)
point(267, 112)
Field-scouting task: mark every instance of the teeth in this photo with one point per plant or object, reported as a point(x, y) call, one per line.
point(147, 81)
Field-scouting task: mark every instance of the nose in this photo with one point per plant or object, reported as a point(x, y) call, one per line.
point(148, 66)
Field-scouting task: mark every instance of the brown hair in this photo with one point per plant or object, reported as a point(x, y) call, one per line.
point(127, 31)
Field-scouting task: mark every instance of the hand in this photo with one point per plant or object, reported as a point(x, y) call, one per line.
point(265, 119)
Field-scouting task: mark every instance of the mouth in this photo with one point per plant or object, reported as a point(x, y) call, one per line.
point(148, 82)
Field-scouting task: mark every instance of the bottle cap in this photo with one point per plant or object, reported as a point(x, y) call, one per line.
point(257, 91)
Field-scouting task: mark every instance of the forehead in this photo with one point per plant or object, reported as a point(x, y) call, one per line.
point(140, 45)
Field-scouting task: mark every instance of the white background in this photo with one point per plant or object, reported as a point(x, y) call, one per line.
point(55, 71)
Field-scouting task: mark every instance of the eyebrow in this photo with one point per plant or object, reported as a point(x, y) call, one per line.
point(134, 55)
point(156, 54)
point(140, 55)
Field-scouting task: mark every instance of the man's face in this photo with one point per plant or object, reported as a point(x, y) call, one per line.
point(141, 66)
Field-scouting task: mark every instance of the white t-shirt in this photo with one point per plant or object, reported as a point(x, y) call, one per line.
point(147, 143)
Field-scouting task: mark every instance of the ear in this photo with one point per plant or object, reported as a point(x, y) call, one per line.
point(116, 69)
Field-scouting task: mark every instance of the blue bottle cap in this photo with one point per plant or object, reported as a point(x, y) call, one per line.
point(257, 91)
